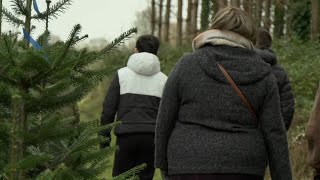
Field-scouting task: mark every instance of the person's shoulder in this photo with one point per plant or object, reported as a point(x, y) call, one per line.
point(278, 67)
point(162, 75)
point(279, 71)
point(187, 58)
point(122, 70)
point(270, 81)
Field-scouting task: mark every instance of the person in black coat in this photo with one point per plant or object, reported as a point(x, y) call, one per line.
point(263, 48)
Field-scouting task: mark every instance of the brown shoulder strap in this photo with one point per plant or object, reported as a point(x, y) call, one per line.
point(238, 91)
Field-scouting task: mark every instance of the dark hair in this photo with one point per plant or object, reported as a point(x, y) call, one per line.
point(264, 39)
point(148, 43)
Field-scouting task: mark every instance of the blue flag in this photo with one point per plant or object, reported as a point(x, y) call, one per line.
point(36, 8)
point(33, 42)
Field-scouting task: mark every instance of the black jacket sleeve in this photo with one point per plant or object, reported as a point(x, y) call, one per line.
point(110, 108)
point(274, 133)
point(286, 95)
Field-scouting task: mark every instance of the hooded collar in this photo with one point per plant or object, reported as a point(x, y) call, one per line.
point(144, 63)
point(267, 55)
point(221, 37)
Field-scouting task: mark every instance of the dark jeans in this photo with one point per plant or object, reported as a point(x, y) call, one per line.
point(317, 175)
point(216, 177)
point(134, 150)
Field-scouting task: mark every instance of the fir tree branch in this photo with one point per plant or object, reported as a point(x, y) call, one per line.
point(19, 7)
point(9, 51)
point(54, 11)
point(12, 18)
point(73, 38)
point(33, 161)
point(70, 42)
point(3, 77)
point(117, 42)
point(5, 96)
point(130, 173)
point(8, 80)
point(89, 58)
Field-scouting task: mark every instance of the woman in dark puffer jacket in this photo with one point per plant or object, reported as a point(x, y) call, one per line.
point(204, 130)
point(263, 48)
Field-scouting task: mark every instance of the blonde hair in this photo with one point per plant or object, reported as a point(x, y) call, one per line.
point(236, 20)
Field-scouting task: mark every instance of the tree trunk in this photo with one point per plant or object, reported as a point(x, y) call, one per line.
point(76, 113)
point(153, 16)
point(188, 20)
point(27, 23)
point(205, 12)
point(258, 12)
point(235, 3)
point(215, 7)
point(167, 22)
point(195, 18)
point(279, 13)
point(179, 23)
point(315, 19)
point(267, 17)
point(289, 17)
point(160, 20)
point(15, 145)
point(0, 17)
point(247, 6)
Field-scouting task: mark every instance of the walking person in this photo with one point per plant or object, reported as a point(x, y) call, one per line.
point(313, 136)
point(220, 116)
point(134, 95)
point(263, 48)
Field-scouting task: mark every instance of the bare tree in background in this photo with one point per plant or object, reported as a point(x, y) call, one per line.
point(315, 19)
point(205, 13)
point(194, 19)
point(160, 20)
point(188, 20)
point(279, 14)
point(215, 7)
point(247, 6)
point(167, 21)
point(153, 16)
point(0, 17)
point(267, 15)
point(235, 3)
point(179, 23)
point(258, 12)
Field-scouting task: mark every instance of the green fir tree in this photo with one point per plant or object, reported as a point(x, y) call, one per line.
point(38, 140)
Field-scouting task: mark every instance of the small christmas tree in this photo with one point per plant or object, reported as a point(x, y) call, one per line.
point(36, 83)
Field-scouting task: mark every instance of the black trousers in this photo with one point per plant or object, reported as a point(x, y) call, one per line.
point(134, 150)
point(216, 177)
point(317, 174)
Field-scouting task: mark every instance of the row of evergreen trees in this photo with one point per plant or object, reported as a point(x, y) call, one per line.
point(40, 85)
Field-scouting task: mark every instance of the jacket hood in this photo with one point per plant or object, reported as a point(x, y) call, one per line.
point(267, 55)
point(244, 65)
point(234, 52)
point(144, 63)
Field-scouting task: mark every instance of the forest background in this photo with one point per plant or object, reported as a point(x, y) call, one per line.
point(294, 25)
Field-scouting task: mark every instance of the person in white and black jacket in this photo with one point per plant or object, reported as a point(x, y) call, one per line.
point(134, 95)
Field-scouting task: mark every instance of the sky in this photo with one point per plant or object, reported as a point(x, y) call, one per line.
point(99, 18)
